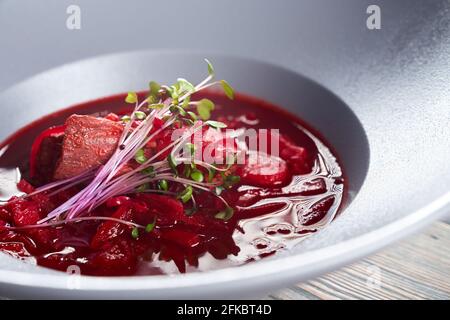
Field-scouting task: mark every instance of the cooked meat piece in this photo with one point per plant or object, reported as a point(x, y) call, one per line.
point(88, 143)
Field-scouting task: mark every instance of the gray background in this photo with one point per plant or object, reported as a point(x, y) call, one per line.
point(326, 40)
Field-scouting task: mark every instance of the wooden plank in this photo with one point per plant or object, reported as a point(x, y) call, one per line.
point(416, 268)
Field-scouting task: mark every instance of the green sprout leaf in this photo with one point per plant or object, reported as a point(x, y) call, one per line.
point(210, 68)
point(172, 163)
point(143, 187)
point(216, 124)
point(211, 174)
point(163, 185)
point(185, 86)
point(140, 115)
point(227, 89)
point(192, 115)
point(186, 101)
point(229, 181)
point(179, 109)
point(197, 176)
point(187, 170)
point(204, 108)
point(131, 97)
point(140, 156)
point(153, 92)
point(126, 119)
point(135, 233)
point(171, 91)
point(150, 171)
point(156, 106)
point(225, 214)
point(186, 194)
point(149, 228)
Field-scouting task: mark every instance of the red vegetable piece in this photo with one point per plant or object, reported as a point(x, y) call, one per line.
point(3, 225)
point(115, 258)
point(264, 171)
point(169, 210)
point(15, 249)
point(24, 212)
point(25, 186)
point(117, 201)
point(5, 215)
point(110, 230)
point(42, 236)
point(113, 117)
point(182, 238)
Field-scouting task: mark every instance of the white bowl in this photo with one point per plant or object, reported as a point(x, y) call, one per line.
point(399, 188)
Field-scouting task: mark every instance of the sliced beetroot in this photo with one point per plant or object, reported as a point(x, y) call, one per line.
point(3, 225)
point(88, 143)
point(14, 237)
point(5, 214)
point(264, 170)
point(117, 201)
point(44, 237)
point(297, 158)
point(15, 249)
point(24, 212)
point(113, 117)
point(110, 230)
point(115, 258)
point(169, 210)
point(185, 239)
point(25, 186)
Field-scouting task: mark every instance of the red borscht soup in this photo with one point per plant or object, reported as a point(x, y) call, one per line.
point(176, 179)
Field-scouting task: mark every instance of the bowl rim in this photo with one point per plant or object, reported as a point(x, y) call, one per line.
point(312, 262)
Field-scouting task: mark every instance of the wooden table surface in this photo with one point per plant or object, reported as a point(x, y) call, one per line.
point(416, 268)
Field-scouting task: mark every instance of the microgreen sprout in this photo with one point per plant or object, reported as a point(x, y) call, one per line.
point(135, 233)
point(131, 97)
point(126, 119)
point(163, 185)
point(173, 105)
point(140, 156)
point(216, 124)
point(204, 108)
point(186, 194)
point(225, 214)
point(140, 115)
point(197, 176)
point(149, 228)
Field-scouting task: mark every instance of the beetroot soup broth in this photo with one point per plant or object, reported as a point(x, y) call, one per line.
point(164, 227)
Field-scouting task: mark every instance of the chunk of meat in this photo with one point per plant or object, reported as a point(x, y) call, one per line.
point(88, 143)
